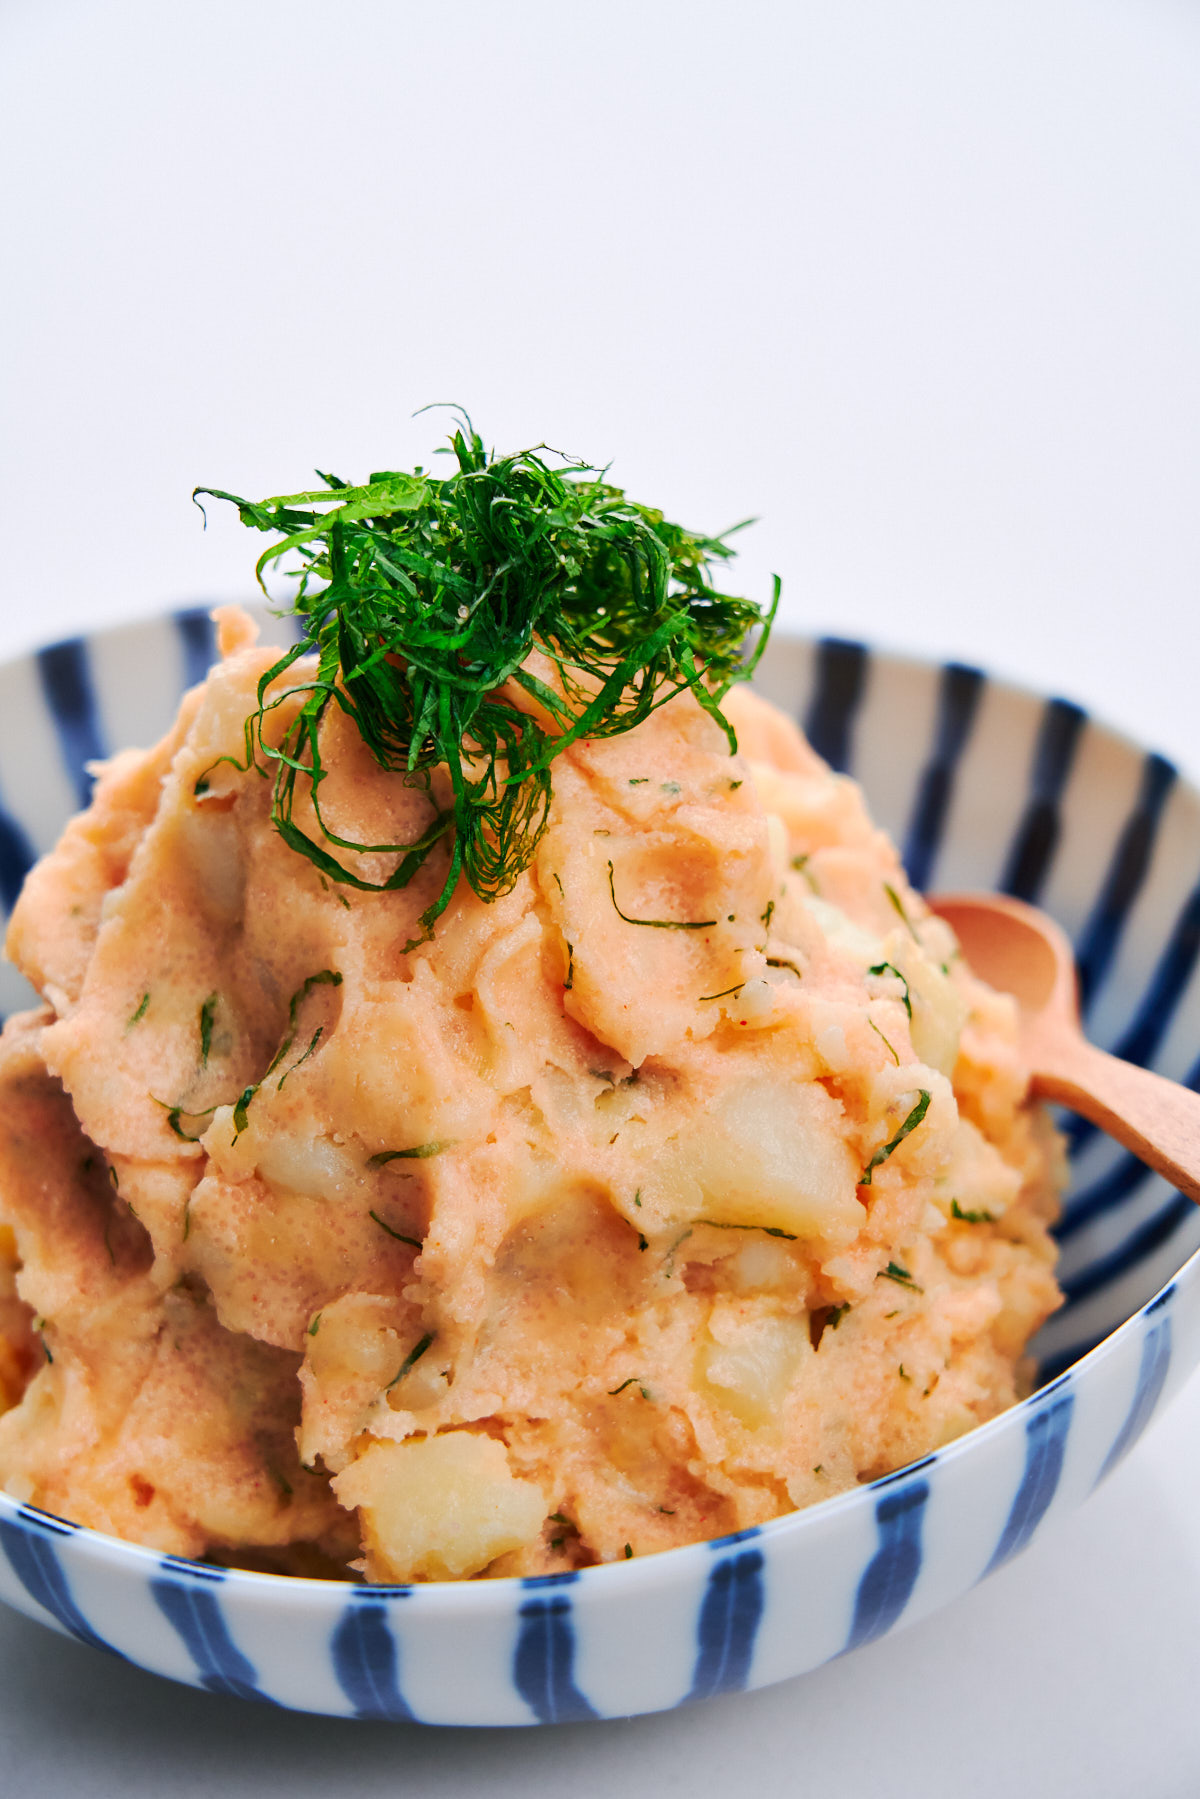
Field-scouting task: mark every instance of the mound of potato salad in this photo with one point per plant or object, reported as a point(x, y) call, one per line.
point(687, 1180)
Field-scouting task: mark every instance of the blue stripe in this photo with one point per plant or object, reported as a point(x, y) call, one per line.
point(1046, 1432)
point(1152, 1376)
point(890, 1576)
point(1101, 936)
point(367, 1663)
point(1174, 970)
point(198, 640)
point(958, 702)
point(195, 1614)
point(728, 1625)
point(1104, 1195)
point(66, 678)
point(17, 857)
point(1137, 1246)
point(841, 682)
point(544, 1663)
point(1050, 1371)
point(47, 1521)
point(1037, 835)
point(182, 1564)
point(36, 1565)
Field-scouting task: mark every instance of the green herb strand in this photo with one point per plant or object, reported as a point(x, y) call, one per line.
point(901, 1276)
point(890, 968)
point(769, 1230)
point(419, 1153)
point(413, 1242)
point(208, 1015)
point(658, 924)
point(910, 1124)
point(979, 1217)
point(897, 905)
point(411, 1359)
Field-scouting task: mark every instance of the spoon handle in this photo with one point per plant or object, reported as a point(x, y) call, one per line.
point(1155, 1118)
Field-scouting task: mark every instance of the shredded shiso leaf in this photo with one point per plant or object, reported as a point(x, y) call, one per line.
point(422, 598)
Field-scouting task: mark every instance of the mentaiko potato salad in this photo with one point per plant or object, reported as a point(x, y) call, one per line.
point(497, 1105)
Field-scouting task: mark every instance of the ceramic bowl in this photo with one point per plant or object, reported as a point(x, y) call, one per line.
point(982, 786)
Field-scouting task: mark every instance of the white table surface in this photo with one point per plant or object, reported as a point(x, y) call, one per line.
point(919, 284)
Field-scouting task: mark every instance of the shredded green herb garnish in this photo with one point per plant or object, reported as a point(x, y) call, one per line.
point(901, 1276)
point(187, 1217)
point(638, 780)
point(979, 1217)
point(884, 1041)
point(613, 1391)
point(422, 598)
point(890, 968)
point(903, 1376)
point(140, 1013)
point(637, 1198)
point(413, 1242)
point(658, 924)
point(419, 1153)
point(570, 980)
point(629, 1552)
point(558, 1518)
point(767, 915)
point(724, 994)
point(835, 1315)
point(671, 787)
point(208, 1014)
point(769, 1230)
point(315, 1326)
point(898, 906)
point(782, 962)
point(910, 1124)
point(411, 1359)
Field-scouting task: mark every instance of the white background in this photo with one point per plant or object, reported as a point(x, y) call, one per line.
point(917, 283)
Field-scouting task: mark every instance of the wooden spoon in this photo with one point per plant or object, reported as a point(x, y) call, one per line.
point(1018, 949)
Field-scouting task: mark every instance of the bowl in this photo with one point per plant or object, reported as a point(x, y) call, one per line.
point(982, 785)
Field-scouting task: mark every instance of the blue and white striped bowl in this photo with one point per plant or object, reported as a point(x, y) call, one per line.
point(983, 786)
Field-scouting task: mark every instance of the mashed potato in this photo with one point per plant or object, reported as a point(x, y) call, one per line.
point(691, 1182)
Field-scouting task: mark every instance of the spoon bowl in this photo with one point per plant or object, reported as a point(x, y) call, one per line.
point(1018, 949)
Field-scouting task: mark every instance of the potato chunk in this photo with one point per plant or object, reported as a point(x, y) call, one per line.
point(439, 1508)
point(750, 1359)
